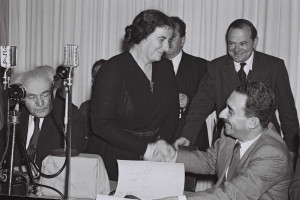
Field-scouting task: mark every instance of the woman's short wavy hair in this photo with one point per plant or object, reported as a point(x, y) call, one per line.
point(144, 24)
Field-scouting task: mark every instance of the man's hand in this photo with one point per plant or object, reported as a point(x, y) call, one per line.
point(181, 142)
point(160, 151)
point(183, 100)
point(152, 153)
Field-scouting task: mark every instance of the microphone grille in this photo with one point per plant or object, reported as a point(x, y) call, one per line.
point(8, 56)
point(71, 55)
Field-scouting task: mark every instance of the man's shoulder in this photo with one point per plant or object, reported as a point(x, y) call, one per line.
point(270, 142)
point(262, 55)
point(221, 60)
point(193, 58)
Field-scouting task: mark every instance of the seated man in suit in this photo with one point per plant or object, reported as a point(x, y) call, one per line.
point(42, 117)
point(250, 159)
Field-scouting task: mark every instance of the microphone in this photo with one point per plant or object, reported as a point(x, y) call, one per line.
point(62, 72)
point(8, 56)
point(71, 57)
point(17, 92)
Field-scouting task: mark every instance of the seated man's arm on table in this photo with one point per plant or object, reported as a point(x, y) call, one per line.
point(199, 162)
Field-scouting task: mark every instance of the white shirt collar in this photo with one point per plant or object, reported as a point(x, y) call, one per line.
point(248, 65)
point(176, 60)
point(245, 145)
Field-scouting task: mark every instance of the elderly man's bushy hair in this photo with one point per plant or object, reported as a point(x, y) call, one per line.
point(47, 72)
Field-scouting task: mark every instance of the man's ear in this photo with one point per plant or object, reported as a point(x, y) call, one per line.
point(54, 91)
point(253, 122)
point(255, 41)
point(183, 41)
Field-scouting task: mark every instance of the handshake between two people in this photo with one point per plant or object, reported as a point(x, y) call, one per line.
point(161, 151)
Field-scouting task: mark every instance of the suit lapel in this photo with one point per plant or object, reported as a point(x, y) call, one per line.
point(258, 67)
point(224, 159)
point(229, 76)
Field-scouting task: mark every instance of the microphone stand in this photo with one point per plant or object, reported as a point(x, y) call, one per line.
point(10, 137)
point(68, 129)
point(8, 60)
point(67, 75)
point(70, 61)
point(15, 122)
point(6, 81)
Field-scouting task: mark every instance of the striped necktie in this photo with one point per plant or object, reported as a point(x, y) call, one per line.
point(34, 139)
point(241, 73)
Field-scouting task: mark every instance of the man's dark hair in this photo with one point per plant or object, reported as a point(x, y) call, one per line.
point(241, 23)
point(260, 101)
point(144, 24)
point(181, 25)
point(96, 66)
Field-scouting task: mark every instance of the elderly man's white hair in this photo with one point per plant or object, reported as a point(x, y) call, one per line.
point(47, 72)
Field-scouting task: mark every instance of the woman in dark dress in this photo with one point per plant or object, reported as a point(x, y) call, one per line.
point(134, 97)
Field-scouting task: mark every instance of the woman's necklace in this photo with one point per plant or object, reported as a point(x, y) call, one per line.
point(146, 68)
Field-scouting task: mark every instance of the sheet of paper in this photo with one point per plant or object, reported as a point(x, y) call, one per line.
point(106, 197)
point(150, 180)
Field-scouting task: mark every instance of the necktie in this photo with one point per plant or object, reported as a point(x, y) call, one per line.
point(241, 73)
point(234, 161)
point(34, 139)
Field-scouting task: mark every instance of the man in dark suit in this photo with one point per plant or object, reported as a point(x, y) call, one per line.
point(42, 119)
point(189, 71)
point(85, 106)
point(223, 76)
point(250, 158)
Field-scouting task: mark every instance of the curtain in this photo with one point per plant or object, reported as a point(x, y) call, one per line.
point(4, 22)
point(41, 28)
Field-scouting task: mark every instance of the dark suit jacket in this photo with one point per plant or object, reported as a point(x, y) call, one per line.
point(190, 72)
point(221, 79)
point(264, 172)
point(51, 134)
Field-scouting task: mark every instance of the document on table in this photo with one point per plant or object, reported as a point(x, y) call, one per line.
point(150, 180)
